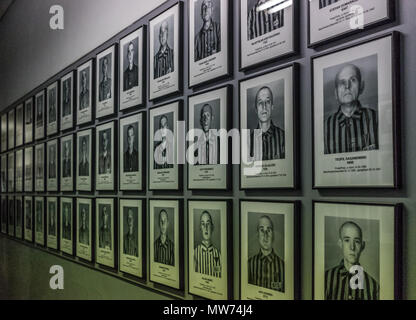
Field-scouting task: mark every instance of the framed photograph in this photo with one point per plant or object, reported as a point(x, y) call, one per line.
point(163, 164)
point(132, 153)
point(268, 108)
point(132, 55)
point(269, 250)
point(40, 115)
point(355, 104)
point(165, 53)
point(19, 217)
point(208, 150)
point(66, 223)
point(132, 247)
point(19, 170)
point(40, 167)
point(67, 101)
point(52, 109)
point(357, 251)
point(84, 160)
point(3, 215)
point(11, 129)
point(166, 242)
point(84, 228)
point(4, 139)
point(268, 31)
point(210, 254)
point(28, 120)
point(84, 96)
point(10, 218)
point(3, 172)
point(209, 36)
point(105, 159)
point(52, 165)
point(105, 240)
point(52, 222)
point(105, 85)
point(28, 169)
point(19, 125)
point(28, 218)
point(10, 172)
point(67, 163)
point(40, 221)
point(330, 20)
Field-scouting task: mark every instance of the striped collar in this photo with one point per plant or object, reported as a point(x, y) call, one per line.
point(205, 248)
point(343, 119)
point(270, 257)
point(270, 131)
point(342, 270)
point(164, 53)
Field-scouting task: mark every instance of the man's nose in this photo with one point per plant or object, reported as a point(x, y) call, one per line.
point(352, 246)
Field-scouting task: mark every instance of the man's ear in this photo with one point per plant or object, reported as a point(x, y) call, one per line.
point(362, 246)
point(339, 243)
point(336, 93)
point(362, 86)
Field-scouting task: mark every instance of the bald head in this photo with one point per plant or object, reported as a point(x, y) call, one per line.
point(349, 85)
point(350, 225)
point(163, 33)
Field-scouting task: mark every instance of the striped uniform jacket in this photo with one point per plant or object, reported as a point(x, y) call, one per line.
point(272, 144)
point(324, 3)
point(207, 260)
point(208, 151)
point(164, 252)
point(163, 62)
point(261, 22)
point(267, 271)
point(357, 133)
point(337, 285)
point(208, 42)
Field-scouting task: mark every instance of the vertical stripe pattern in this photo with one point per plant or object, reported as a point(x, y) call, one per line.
point(324, 3)
point(267, 271)
point(208, 42)
point(163, 63)
point(207, 260)
point(272, 144)
point(261, 22)
point(164, 252)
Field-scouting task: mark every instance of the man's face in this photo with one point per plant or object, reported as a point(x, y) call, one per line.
point(264, 105)
point(206, 118)
point(206, 10)
point(164, 126)
point(265, 232)
point(84, 218)
point(105, 216)
point(351, 243)
point(105, 67)
point(105, 140)
point(84, 147)
point(206, 227)
point(130, 53)
point(348, 85)
point(163, 222)
point(163, 34)
point(130, 137)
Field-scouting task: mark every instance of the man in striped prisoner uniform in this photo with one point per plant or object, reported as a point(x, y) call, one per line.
point(163, 246)
point(337, 279)
point(260, 22)
point(266, 269)
point(324, 3)
point(207, 258)
point(208, 39)
point(163, 60)
point(353, 127)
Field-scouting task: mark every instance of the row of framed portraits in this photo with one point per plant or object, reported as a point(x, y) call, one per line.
point(357, 246)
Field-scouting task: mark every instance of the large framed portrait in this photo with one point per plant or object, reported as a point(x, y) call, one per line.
point(11, 129)
point(4, 132)
point(10, 172)
point(3, 214)
point(67, 163)
point(269, 250)
point(66, 225)
point(105, 160)
point(105, 240)
point(132, 155)
point(84, 159)
point(208, 152)
point(19, 125)
point(132, 248)
point(52, 165)
point(28, 120)
point(268, 31)
point(166, 242)
point(84, 93)
point(84, 228)
point(52, 109)
point(330, 20)
point(132, 55)
point(67, 101)
point(40, 115)
point(10, 218)
point(52, 222)
point(355, 125)
point(210, 254)
point(105, 85)
point(209, 36)
point(19, 170)
point(19, 217)
point(40, 167)
point(268, 108)
point(40, 221)
point(3, 173)
point(28, 169)
point(357, 251)
point(165, 53)
point(28, 219)
point(163, 165)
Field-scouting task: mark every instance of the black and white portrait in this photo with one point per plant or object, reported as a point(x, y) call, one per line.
point(52, 218)
point(325, 3)
point(39, 115)
point(262, 19)
point(163, 132)
point(52, 109)
point(104, 221)
point(131, 147)
point(84, 93)
point(66, 159)
point(105, 82)
point(67, 84)
point(164, 231)
point(51, 105)
point(3, 174)
point(164, 62)
point(67, 220)
point(11, 129)
point(10, 172)
point(84, 156)
point(84, 224)
point(19, 125)
point(84, 228)
point(52, 165)
point(130, 65)
point(104, 152)
point(28, 187)
point(4, 132)
point(105, 88)
point(19, 170)
point(130, 235)
point(39, 167)
point(28, 219)
point(105, 158)
point(19, 218)
point(28, 120)
point(39, 221)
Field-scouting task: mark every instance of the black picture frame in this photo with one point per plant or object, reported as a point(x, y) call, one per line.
point(72, 200)
point(114, 157)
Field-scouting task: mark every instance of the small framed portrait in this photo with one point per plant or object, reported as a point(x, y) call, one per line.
point(40, 221)
point(40, 115)
point(4, 132)
point(268, 108)
point(84, 93)
point(208, 151)
point(357, 251)
point(209, 36)
point(67, 163)
point(10, 218)
point(84, 228)
point(105, 240)
point(269, 250)
point(132, 55)
point(355, 125)
point(40, 167)
point(105, 175)
point(163, 165)
point(210, 249)
point(105, 89)
point(67, 101)
point(268, 31)
point(165, 53)
point(28, 169)
point(19, 170)
point(52, 165)
point(19, 125)
point(3, 173)
point(52, 109)
point(19, 217)
point(28, 219)
point(28, 120)
point(10, 172)
point(166, 242)
point(330, 20)
point(66, 225)
point(52, 222)
point(132, 247)
point(84, 159)
point(4, 214)
point(11, 129)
